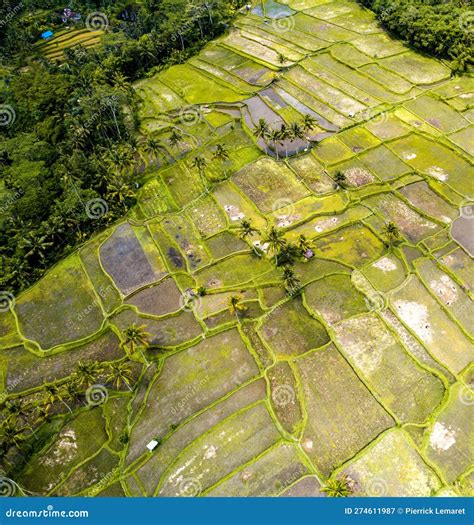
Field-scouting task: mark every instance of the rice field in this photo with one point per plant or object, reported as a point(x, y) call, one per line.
point(362, 372)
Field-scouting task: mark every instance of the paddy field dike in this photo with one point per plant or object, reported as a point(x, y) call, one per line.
point(364, 375)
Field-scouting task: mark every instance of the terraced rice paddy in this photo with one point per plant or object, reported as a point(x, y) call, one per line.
point(54, 47)
point(367, 373)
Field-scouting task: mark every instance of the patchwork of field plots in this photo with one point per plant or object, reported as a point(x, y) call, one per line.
point(365, 376)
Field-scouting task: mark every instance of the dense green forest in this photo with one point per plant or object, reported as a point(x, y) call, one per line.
point(70, 151)
point(442, 28)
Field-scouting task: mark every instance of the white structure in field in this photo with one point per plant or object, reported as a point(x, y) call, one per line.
point(152, 445)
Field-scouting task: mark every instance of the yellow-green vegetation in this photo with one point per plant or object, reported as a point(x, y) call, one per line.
point(54, 48)
point(287, 310)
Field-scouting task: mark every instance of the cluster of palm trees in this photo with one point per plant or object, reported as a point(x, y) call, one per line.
point(220, 154)
point(21, 418)
point(285, 253)
point(290, 133)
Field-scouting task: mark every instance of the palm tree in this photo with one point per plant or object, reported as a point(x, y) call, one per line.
point(152, 147)
point(118, 159)
point(53, 394)
point(309, 123)
point(14, 410)
point(71, 390)
point(86, 373)
point(200, 163)
point(246, 229)
point(122, 84)
point(274, 136)
point(340, 179)
point(120, 374)
point(120, 190)
point(282, 58)
point(275, 239)
point(176, 137)
point(391, 233)
point(306, 247)
point(304, 244)
point(136, 336)
point(42, 415)
point(337, 488)
point(291, 281)
point(35, 245)
point(221, 154)
point(296, 131)
point(10, 435)
point(261, 130)
point(287, 254)
point(284, 135)
point(235, 305)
